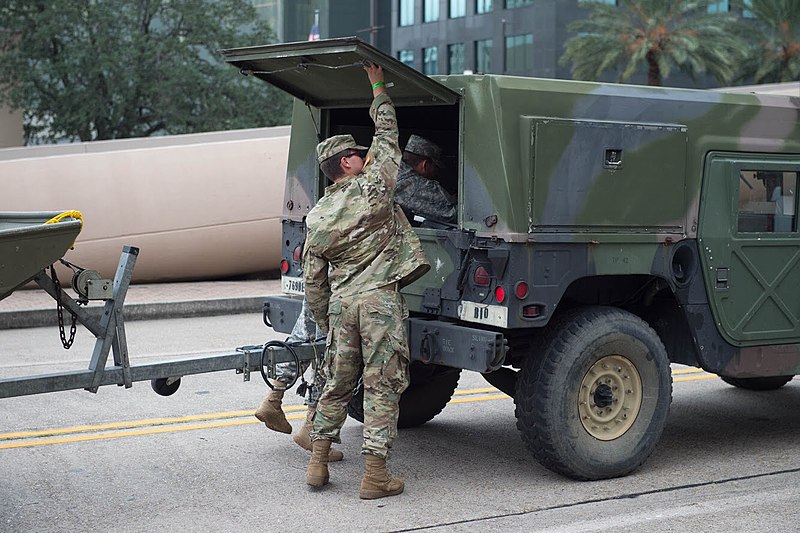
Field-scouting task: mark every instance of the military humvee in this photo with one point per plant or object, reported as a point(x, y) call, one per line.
point(604, 231)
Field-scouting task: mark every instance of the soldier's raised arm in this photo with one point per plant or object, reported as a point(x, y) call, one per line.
point(384, 153)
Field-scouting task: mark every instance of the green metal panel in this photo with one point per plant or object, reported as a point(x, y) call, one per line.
point(326, 73)
point(608, 176)
point(752, 279)
point(302, 172)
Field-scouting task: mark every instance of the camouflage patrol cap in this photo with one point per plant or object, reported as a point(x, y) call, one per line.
point(423, 147)
point(333, 145)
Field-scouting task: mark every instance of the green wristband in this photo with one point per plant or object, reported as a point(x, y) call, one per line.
point(378, 84)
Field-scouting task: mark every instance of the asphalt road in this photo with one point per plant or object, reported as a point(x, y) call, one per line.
point(130, 460)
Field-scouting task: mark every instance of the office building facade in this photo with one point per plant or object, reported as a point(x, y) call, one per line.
point(519, 37)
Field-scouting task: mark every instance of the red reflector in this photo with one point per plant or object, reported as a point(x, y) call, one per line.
point(481, 276)
point(521, 290)
point(531, 311)
point(284, 266)
point(298, 253)
point(500, 294)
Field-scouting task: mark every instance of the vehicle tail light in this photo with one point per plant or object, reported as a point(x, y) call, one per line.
point(298, 253)
point(521, 290)
point(531, 311)
point(284, 266)
point(481, 276)
point(500, 294)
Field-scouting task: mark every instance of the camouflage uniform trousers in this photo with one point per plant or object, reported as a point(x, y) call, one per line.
point(304, 330)
point(366, 328)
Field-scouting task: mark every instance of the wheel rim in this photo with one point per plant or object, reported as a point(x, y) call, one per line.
point(610, 397)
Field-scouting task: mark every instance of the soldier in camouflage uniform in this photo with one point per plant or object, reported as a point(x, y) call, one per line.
point(359, 250)
point(417, 191)
point(270, 411)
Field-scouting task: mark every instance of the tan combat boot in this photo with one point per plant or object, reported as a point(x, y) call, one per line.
point(271, 414)
point(303, 437)
point(377, 483)
point(317, 471)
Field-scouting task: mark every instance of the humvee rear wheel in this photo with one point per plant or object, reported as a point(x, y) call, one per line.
point(430, 389)
point(610, 396)
point(594, 403)
point(767, 383)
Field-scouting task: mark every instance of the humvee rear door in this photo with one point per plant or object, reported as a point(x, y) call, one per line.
point(328, 73)
point(750, 246)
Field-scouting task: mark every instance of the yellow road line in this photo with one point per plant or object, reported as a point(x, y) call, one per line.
point(688, 371)
point(695, 378)
point(169, 425)
point(138, 423)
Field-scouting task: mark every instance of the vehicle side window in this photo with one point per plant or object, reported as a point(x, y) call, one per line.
point(767, 201)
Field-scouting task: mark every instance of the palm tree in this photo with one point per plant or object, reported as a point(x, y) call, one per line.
point(775, 41)
point(663, 34)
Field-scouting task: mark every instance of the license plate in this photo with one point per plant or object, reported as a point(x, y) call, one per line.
point(292, 285)
point(492, 315)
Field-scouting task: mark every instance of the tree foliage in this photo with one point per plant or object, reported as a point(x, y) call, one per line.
point(107, 69)
point(658, 34)
point(774, 41)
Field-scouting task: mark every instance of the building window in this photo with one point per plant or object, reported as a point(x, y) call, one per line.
point(519, 53)
point(406, 57)
point(483, 6)
point(406, 12)
point(430, 11)
point(430, 64)
point(766, 202)
point(458, 8)
point(747, 9)
point(511, 4)
point(455, 58)
point(483, 56)
point(719, 7)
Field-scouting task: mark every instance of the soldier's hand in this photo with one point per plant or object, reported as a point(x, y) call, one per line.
point(374, 72)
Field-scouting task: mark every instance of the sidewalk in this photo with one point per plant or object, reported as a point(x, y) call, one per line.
point(30, 308)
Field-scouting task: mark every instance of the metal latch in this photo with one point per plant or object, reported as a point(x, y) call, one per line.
point(722, 278)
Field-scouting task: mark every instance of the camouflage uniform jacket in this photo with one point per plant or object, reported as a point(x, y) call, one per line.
point(357, 238)
point(423, 196)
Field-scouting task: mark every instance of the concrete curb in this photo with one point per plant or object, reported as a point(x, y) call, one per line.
point(35, 318)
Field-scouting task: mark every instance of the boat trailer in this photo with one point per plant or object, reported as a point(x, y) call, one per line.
point(31, 242)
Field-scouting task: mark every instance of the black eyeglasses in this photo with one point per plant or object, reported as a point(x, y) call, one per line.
point(360, 153)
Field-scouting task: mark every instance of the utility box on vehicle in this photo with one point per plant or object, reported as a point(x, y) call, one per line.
point(603, 232)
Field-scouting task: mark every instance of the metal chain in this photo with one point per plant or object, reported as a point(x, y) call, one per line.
point(60, 310)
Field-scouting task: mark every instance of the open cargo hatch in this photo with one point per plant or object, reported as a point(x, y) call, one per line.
point(328, 73)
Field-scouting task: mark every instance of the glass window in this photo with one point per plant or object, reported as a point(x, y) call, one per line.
point(510, 4)
point(483, 56)
point(767, 202)
point(430, 64)
point(458, 8)
point(483, 6)
point(455, 55)
point(430, 11)
point(406, 12)
point(519, 53)
point(719, 7)
point(406, 57)
point(747, 9)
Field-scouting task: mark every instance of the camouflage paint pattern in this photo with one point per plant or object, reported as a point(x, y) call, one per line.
point(367, 329)
point(541, 200)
